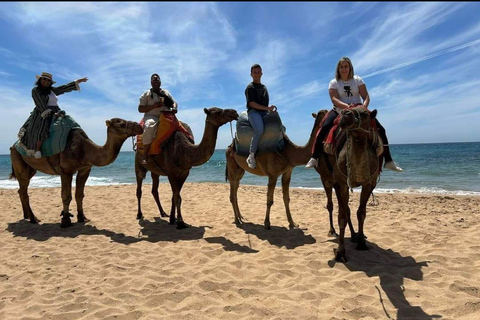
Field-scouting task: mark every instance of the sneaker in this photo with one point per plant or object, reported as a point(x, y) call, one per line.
point(392, 166)
point(311, 163)
point(251, 161)
point(38, 155)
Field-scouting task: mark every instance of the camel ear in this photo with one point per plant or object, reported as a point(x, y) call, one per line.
point(314, 115)
point(373, 114)
point(206, 111)
point(107, 123)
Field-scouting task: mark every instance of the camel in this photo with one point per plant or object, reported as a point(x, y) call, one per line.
point(325, 169)
point(178, 156)
point(272, 165)
point(357, 163)
point(79, 156)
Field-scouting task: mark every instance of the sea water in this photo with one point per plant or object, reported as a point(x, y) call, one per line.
point(439, 168)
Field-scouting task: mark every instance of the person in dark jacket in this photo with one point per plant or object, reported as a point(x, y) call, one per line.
point(36, 129)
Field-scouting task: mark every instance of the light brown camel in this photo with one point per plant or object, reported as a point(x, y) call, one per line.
point(357, 165)
point(272, 165)
point(80, 155)
point(178, 156)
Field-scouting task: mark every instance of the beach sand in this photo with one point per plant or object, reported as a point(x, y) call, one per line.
point(423, 262)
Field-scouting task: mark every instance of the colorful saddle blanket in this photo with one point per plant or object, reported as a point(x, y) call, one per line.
point(57, 139)
point(169, 124)
point(272, 139)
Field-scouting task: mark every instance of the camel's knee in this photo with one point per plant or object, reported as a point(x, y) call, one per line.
point(67, 200)
point(270, 203)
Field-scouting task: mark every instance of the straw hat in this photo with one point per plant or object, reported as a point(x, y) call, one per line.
point(45, 75)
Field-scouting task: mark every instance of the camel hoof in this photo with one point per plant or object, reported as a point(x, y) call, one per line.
point(81, 218)
point(181, 225)
point(139, 216)
point(66, 224)
point(332, 234)
point(293, 226)
point(34, 221)
point(354, 238)
point(339, 256)
point(163, 215)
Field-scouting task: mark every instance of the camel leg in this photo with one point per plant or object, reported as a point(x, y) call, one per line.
point(272, 181)
point(155, 185)
point(234, 175)
point(362, 214)
point(353, 234)
point(176, 184)
point(23, 173)
point(82, 177)
point(328, 191)
point(286, 177)
point(66, 199)
point(140, 173)
point(342, 196)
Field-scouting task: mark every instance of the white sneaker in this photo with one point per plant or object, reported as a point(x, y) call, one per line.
point(311, 163)
point(251, 161)
point(392, 166)
point(38, 155)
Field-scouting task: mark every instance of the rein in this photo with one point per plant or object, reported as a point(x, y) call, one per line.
point(358, 121)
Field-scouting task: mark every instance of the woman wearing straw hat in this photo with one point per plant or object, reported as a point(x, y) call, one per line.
point(36, 128)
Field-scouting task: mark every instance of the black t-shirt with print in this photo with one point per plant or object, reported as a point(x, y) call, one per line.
point(257, 92)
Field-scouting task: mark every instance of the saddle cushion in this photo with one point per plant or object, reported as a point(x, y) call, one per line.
point(57, 139)
point(272, 139)
point(168, 124)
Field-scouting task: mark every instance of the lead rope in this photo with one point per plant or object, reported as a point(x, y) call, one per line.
point(134, 144)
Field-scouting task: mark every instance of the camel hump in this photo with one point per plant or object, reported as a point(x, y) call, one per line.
point(272, 139)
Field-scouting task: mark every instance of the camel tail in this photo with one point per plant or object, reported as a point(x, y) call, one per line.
point(12, 175)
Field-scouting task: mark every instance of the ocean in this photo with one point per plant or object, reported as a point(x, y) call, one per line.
point(434, 168)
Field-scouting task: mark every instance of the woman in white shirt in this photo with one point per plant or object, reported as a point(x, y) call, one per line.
point(345, 90)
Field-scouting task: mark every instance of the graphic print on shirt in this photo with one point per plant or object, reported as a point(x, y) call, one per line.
point(348, 91)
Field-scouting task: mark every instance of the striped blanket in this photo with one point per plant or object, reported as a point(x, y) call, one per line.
point(57, 139)
point(271, 140)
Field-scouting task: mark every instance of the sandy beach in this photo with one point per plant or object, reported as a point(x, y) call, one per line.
point(423, 262)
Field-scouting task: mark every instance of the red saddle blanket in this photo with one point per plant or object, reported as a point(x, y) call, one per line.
point(330, 138)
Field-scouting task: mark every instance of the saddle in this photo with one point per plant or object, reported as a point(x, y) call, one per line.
point(168, 124)
point(272, 139)
point(57, 139)
point(336, 138)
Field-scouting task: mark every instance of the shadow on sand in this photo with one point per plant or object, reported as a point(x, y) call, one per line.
point(279, 236)
point(156, 231)
point(392, 268)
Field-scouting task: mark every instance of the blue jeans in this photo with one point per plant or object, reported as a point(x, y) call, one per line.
point(256, 120)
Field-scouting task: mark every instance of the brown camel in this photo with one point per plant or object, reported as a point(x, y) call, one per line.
point(272, 165)
point(325, 167)
point(357, 164)
point(80, 155)
point(178, 156)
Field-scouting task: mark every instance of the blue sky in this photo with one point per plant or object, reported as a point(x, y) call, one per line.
point(420, 61)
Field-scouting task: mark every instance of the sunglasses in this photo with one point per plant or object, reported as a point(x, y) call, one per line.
point(47, 79)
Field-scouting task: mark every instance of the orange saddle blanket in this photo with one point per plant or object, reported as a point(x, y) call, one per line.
point(168, 124)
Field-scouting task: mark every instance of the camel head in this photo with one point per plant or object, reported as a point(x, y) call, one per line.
point(123, 127)
point(219, 117)
point(318, 118)
point(357, 118)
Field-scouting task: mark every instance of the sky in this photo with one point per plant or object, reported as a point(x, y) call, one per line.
point(419, 60)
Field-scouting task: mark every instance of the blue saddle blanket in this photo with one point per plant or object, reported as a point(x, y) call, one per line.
point(57, 139)
point(272, 139)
